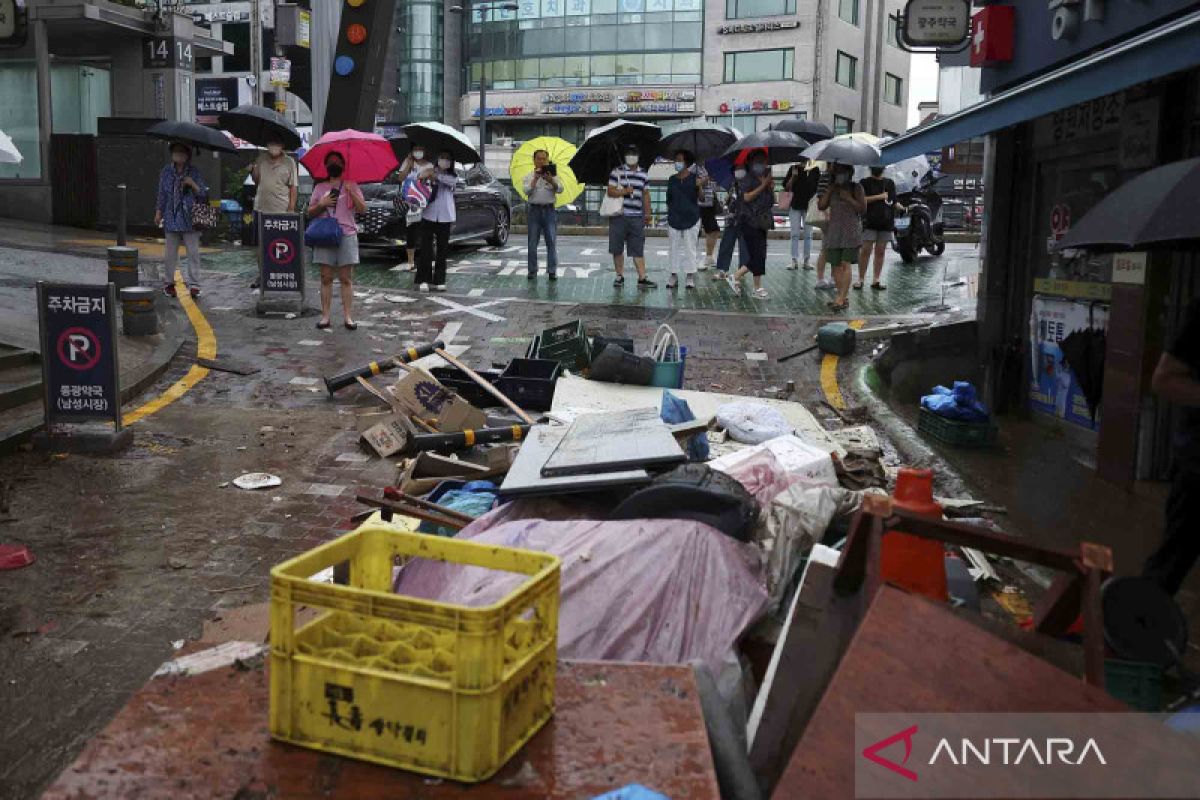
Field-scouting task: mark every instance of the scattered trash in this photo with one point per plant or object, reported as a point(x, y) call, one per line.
point(15, 556)
point(177, 644)
point(257, 480)
point(222, 655)
point(289, 315)
point(752, 423)
point(177, 563)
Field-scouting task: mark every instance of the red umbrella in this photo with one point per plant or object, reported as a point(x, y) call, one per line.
point(369, 156)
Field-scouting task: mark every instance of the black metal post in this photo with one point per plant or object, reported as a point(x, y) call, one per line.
point(121, 215)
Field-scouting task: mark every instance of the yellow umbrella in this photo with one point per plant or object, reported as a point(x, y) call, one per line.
point(560, 152)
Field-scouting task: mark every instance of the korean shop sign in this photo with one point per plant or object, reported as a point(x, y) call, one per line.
point(936, 23)
point(80, 373)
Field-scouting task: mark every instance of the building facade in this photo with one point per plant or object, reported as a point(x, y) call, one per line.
point(563, 67)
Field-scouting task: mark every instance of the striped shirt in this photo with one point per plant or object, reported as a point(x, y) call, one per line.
point(635, 178)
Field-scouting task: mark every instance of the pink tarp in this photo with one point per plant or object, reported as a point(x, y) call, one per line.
point(659, 591)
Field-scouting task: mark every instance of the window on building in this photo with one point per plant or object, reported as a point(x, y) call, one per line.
point(759, 65)
point(847, 70)
point(745, 9)
point(19, 117)
point(893, 89)
point(848, 10)
point(893, 30)
point(842, 125)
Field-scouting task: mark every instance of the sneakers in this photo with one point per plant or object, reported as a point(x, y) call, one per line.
point(691, 282)
point(823, 284)
point(795, 265)
point(553, 276)
point(441, 287)
point(424, 287)
point(531, 276)
point(646, 283)
point(673, 282)
point(709, 262)
point(169, 290)
point(733, 284)
point(808, 265)
point(718, 275)
point(619, 280)
point(761, 294)
point(194, 291)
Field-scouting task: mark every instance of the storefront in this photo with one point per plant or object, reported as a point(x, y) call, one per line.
point(1081, 108)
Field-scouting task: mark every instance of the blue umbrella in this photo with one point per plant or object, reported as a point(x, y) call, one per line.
point(720, 170)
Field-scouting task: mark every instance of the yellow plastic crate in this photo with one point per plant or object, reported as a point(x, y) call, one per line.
point(445, 690)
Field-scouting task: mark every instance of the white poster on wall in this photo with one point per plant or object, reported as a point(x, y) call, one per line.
point(1061, 334)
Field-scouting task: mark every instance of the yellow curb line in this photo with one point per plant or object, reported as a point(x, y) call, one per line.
point(829, 381)
point(206, 347)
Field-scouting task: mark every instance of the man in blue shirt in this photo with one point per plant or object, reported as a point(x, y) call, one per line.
point(627, 232)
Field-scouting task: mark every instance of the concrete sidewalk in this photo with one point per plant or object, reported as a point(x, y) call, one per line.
point(79, 241)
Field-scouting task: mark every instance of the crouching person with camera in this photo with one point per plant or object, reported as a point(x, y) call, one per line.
point(542, 186)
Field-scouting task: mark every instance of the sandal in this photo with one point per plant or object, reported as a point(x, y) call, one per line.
point(858, 286)
point(351, 326)
point(877, 286)
point(322, 326)
point(619, 281)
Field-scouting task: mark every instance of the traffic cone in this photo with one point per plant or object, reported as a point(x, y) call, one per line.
point(911, 562)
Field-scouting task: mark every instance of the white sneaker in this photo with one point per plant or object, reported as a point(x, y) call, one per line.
point(824, 284)
point(795, 265)
point(441, 287)
point(704, 264)
point(710, 262)
point(733, 284)
point(761, 294)
point(424, 287)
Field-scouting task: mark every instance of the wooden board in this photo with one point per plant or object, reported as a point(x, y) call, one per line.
point(205, 736)
point(913, 655)
point(622, 440)
point(525, 477)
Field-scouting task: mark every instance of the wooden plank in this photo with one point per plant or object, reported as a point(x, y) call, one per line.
point(913, 655)
point(984, 539)
point(1058, 607)
point(623, 440)
point(525, 476)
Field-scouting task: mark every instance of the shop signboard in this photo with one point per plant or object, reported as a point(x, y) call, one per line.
point(281, 71)
point(1129, 268)
point(1051, 33)
point(753, 106)
point(166, 52)
point(936, 23)
point(1054, 387)
point(1139, 134)
point(215, 96)
point(501, 111)
point(281, 253)
point(80, 373)
point(759, 27)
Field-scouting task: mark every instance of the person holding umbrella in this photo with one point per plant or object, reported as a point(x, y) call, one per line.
point(415, 165)
point(180, 187)
point(341, 199)
point(627, 231)
point(802, 183)
point(684, 190)
point(276, 178)
point(710, 228)
point(436, 221)
point(756, 192)
point(542, 188)
point(845, 202)
point(878, 224)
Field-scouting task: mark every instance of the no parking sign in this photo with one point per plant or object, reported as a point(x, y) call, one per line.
point(80, 372)
point(280, 252)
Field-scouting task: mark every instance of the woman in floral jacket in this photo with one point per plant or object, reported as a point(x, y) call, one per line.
point(180, 187)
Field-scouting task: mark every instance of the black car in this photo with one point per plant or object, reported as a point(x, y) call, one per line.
point(483, 209)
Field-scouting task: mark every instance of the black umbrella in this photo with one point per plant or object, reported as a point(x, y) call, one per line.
point(436, 137)
point(704, 140)
point(192, 134)
point(1083, 350)
point(401, 146)
point(844, 150)
point(1155, 209)
point(601, 150)
point(805, 129)
point(258, 125)
point(782, 147)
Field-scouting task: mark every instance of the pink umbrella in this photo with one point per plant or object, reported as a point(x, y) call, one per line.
point(369, 156)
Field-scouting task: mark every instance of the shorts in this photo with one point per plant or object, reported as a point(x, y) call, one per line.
point(841, 255)
point(627, 235)
point(870, 235)
point(708, 219)
point(344, 255)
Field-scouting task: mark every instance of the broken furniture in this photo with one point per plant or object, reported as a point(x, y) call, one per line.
point(206, 736)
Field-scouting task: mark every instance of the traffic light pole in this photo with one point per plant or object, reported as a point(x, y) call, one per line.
point(483, 64)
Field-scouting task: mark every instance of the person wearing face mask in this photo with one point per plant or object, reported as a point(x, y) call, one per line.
point(684, 190)
point(341, 199)
point(276, 178)
point(733, 231)
point(542, 188)
point(414, 165)
point(802, 183)
point(878, 224)
point(436, 221)
point(845, 202)
point(627, 231)
point(180, 187)
point(757, 191)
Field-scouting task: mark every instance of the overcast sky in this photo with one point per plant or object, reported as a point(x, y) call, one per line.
point(922, 83)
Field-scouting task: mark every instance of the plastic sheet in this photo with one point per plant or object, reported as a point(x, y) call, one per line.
point(770, 468)
point(752, 423)
point(658, 591)
point(960, 403)
point(794, 521)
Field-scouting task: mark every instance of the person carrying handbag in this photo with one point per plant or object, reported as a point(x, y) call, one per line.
point(181, 189)
point(801, 186)
point(338, 199)
point(757, 193)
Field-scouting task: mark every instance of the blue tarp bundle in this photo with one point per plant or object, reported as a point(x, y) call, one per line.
point(960, 403)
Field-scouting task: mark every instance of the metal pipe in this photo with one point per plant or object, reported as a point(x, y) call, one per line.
point(344, 379)
point(465, 439)
point(121, 214)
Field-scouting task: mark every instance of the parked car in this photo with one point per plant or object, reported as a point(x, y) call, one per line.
point(483, 205)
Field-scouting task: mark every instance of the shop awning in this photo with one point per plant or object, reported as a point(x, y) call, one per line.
point(1169, 48)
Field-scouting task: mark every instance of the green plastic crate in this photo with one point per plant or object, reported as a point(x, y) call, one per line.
point(1135, 683)
point(567, 344)
point(956, 433)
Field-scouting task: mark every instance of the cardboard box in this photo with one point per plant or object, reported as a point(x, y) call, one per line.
point(390, 436)
point(421, 394)
point(422, 474)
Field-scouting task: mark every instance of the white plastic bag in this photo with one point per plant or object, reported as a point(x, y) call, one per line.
point(752, 423)
point(775, 465)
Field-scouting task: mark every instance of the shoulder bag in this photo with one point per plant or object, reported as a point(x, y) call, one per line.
point(324, 231)
point(611, 206)
point(204, 216)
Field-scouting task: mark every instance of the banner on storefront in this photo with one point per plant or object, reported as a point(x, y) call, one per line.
point(1054, 386)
